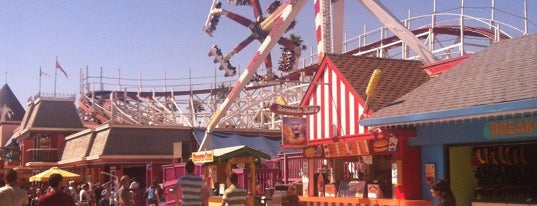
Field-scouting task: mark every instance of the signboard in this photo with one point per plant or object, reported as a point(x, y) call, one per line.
point(356, 188)
point(294, 132)
point(519, 127)
point(294, 110)
point(430, 173)
point(347, 148)
point(373, 191)
point(204, 156)
point(314, 151)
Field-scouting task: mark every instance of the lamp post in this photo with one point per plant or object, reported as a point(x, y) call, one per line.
point(113, 187)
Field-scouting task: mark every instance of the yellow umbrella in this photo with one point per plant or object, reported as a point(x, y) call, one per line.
point(43, 176)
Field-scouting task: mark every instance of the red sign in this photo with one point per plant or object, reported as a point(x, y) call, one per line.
point(294, 110)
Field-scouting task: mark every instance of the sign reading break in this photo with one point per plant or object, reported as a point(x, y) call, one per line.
point(204, 156)
point(520, 127)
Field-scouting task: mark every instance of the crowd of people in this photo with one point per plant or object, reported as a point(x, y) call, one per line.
point(57, 192)
point(54, 192)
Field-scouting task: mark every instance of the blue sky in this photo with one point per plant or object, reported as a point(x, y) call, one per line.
point(153, 39)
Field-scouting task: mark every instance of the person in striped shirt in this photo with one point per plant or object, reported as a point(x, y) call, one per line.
point(191, 185)
point(234, 195)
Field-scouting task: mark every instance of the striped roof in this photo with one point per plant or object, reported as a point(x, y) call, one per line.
point(501, 79)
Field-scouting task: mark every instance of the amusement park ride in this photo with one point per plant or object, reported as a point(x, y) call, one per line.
point(444, 35)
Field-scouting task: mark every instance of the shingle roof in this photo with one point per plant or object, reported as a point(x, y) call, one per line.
point(499, 78)
point(52, 114)
point(125, 141)
point(398, 76)
point(7, 98)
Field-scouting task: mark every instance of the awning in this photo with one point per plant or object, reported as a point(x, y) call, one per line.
point(224, 154)
point(483, 111)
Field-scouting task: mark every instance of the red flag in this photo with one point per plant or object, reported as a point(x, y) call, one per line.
point(60, 68)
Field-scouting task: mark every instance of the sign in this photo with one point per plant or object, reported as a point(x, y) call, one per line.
point(373, 191)
point(430, 173)
point(357, 188)
point(519, 127)
point(294, 110)
point(294, 132)
point(204, 156)
point(346, 148)
point(314, 151)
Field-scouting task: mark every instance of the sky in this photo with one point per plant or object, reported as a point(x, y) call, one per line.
point(157, 40)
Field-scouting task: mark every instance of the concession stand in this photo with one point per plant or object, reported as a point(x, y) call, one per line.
point(219, 163)
point(346, 163)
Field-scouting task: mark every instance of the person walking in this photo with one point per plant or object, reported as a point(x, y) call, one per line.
point(190, 185)
point(11, 194)
point(441, 190)
point(134, 187)
point(84, 195)
point(54, 195)
point(234, 195)
point(153, 194)
point(125, 195)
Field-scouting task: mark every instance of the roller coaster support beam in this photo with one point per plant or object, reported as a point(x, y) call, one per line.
point(388, 19)
point(291, 8)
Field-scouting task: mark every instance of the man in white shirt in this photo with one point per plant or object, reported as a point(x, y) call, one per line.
point(11, 194)
point(134, 188)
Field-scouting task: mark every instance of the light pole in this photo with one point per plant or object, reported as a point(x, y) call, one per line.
point(113, 187)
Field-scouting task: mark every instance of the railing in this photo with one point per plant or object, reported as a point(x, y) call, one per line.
point(43, 155)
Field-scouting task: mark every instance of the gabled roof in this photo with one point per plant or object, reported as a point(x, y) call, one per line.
point(501, 79)
point(9, 100)
point(52, 114)
point(398, 76)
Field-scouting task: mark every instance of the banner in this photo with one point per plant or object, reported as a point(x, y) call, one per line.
point(294, 132)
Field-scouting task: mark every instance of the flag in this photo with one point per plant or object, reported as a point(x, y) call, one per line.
point(43, 74)
point(60, 68)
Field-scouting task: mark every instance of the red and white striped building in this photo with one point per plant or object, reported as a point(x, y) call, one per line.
point(339, 88)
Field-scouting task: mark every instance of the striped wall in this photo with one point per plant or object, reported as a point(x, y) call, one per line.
point(340, 108)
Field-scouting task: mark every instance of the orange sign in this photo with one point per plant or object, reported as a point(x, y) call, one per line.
point(205, 156)
point(350, 148)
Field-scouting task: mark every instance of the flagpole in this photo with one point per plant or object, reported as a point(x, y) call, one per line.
point(55, 74)
point(40, 74)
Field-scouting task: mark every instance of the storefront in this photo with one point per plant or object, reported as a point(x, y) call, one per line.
point(476, 125)
point(377, 171)
point(347, 163)
point(486, 160)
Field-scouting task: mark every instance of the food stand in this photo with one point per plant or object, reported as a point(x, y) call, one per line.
point(375, 171)
point(219, 163)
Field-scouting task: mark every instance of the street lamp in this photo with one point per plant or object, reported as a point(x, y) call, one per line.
point(113, 187)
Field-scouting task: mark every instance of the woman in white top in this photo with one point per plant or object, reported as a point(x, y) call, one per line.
point(85, 195)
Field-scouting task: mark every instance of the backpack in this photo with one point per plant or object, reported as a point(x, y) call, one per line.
point(151, 193)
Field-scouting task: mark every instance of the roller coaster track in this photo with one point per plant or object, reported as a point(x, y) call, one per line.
point(194, 107)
